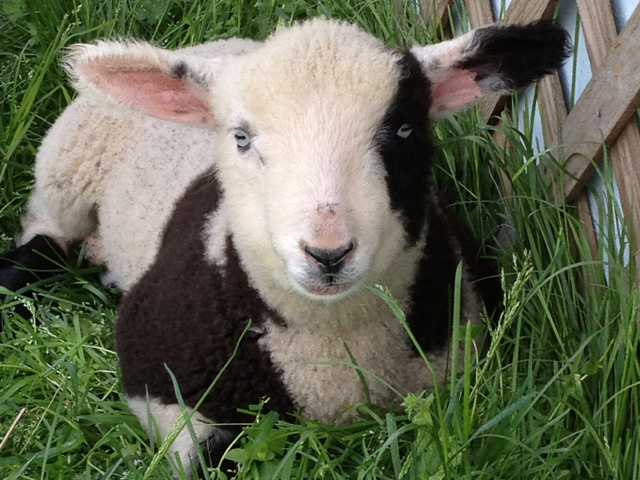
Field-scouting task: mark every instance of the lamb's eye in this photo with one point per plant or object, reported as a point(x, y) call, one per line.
point(404, 131)
point(243, 141)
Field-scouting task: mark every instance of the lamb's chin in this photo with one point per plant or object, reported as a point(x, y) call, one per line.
point(322, 291)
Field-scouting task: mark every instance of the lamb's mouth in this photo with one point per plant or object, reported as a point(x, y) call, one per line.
point(329, 287)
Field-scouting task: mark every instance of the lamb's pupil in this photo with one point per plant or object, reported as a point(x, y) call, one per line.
point(404, 131)
point(242, 140)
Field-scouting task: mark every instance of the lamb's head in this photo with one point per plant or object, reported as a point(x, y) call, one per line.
point(323, 144)
point(305, 167)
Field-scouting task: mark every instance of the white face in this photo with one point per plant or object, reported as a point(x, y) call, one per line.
point(301, 169)
point(312, 192)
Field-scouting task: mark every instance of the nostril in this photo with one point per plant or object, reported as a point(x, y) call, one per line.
point(329, 258)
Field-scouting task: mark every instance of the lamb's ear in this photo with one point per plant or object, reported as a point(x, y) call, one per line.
point(156, 81)
point(490, 59)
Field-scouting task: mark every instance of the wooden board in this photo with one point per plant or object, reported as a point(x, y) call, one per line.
point(553, 112)
point(602, 111)
point(600, 36)
point(598, 27)
point(586, 218)
point(436, 11)
point(479, 13)
point(553, 109)
point(524, 11)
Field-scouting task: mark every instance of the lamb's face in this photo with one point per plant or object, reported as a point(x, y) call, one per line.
point(323, 153)
point(316, 145)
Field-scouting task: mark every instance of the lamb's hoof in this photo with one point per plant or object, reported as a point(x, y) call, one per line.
point(36, 260)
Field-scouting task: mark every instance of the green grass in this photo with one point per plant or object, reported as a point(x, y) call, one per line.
point(556, 396)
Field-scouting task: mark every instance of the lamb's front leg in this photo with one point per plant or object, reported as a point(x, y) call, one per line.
point(40, 250)
point(49, 226)
point(62, 208)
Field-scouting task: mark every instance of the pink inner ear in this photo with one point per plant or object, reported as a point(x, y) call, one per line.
point(454, 92)
point(154, 92)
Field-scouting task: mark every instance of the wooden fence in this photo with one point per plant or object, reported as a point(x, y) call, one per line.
point(604, 113)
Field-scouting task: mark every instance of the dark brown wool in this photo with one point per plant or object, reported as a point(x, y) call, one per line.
point(408, 164)
point(188, 314)
point(449, 240)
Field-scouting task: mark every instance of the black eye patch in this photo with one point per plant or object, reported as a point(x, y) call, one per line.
point(404, 145)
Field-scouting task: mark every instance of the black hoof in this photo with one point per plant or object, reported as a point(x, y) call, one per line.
point(34, 261)
point(212, 449)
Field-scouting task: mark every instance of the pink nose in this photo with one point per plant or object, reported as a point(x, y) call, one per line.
point(330, 259)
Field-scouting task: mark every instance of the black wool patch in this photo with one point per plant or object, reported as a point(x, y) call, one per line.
point(432, 291)
point(449, 241)
point(188, 314)
point(408, 160)
point(517, 54)
point(179, 70)
point(182, 71)
point(484, 271)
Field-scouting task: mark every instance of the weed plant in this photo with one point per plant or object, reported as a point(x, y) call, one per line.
point(555, 396)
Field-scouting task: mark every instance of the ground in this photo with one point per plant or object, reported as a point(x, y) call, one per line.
point(556, 395)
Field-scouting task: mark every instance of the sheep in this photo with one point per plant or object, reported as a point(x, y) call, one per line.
point(270, 183)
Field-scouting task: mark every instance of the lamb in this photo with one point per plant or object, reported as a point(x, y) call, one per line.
point(266, 184)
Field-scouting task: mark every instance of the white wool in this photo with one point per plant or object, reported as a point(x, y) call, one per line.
point(159, 419)
point(129, 184)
